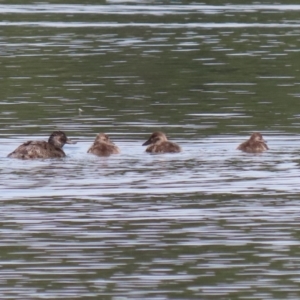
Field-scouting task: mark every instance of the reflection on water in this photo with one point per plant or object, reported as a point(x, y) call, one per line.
point(210, 222)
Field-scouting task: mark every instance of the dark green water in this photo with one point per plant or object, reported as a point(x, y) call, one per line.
point(207, 223)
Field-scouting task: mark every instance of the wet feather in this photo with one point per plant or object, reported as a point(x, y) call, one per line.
point(43, 149)
point(159, 144)
point(255, 144)
point(103, 146)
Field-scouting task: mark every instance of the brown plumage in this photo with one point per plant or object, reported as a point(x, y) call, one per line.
point(256, 144)
point(42, 149)
point(159, 144)
point(103, 146)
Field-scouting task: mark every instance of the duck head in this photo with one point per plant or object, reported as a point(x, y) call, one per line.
point(156, 137)
point(257, 137)
point(59, 139)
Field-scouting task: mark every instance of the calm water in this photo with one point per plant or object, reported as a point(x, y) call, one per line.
point(207, 223)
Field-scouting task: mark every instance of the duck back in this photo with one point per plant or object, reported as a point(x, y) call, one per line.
point(103, 149)
point(253, 147)
point(163, 147)
point(36, 149)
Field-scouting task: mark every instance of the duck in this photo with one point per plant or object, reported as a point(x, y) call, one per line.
point(103, 146)
point(159, 144)
point(43, 149)
point(255, 144)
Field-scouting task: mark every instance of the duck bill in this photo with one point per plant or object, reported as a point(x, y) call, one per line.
point(147, 143)
point(70, 142)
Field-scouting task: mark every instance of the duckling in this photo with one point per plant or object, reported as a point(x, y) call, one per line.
point(103, 146)
point(159, 144)
point(43, 149)
point(256, 144)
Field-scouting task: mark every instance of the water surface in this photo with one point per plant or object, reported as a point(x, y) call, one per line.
point(207, 223)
